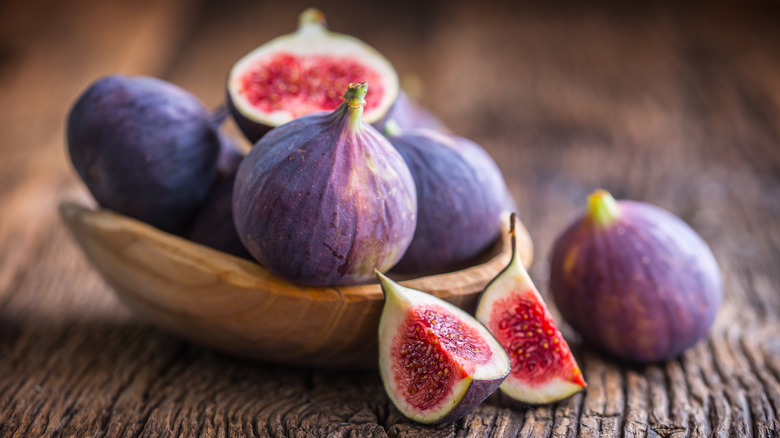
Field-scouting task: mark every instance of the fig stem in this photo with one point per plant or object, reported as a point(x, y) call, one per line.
point(354, 100)
point(312, 20)
point(515, 253)
point(602, 208)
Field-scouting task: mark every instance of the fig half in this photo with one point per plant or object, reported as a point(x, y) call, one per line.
point(543, 368)
point(436, 361)
point(305, 72)
point(635, 280)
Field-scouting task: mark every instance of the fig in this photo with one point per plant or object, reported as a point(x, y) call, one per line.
point(543, 367)
point(408, 114)
point(305, 72)
point(635, 280)
point(144, 148)
point(436, 361)
point(213, 223)
point(460, 197)
point(325, 199)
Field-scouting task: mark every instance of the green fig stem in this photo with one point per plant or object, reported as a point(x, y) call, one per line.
point(354, 100)
point(602, 208)
point(312, 20)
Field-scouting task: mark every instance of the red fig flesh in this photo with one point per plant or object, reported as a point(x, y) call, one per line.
point(635, 280)
point(306, 72)
point(437, 362)
point(543, 367)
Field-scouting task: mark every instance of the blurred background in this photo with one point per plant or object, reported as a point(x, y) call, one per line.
point(675, 103)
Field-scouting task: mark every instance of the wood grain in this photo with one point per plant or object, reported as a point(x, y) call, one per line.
point(237, 306)
point(673, 104)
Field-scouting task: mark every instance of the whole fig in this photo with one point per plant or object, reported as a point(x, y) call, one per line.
point(635, 280)
point(460, 197)
point(144, 148)
point(325, 199)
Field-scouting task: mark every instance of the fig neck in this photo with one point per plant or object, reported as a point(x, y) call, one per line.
point(602, 208)
point(390, 289)
point(354, 101)
point(312, 22)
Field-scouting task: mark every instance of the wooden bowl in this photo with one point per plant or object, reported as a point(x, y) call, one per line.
point(237, 306)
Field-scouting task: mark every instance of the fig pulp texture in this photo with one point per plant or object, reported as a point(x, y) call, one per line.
point(635, 280)
point(325, 199)
point(436, 361)
point(144, 148)
point(305, 72)
point(460, 197)
point(543, 367)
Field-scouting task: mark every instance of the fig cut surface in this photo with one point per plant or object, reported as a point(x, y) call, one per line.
point(543, 367)
point(437, 362)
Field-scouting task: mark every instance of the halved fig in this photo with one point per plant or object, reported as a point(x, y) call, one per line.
point(305, 72)
point(543, 367)
point(436, 361)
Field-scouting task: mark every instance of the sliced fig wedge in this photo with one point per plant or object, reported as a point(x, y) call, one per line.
point(305, 72)
point(436, 361)
point(543, 367)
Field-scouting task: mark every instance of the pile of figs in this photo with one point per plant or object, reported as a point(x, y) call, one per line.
point(348, 178)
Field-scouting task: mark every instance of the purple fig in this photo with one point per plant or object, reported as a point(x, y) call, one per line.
point(460, 197)
point(144, 148)
point(543, 368)
point(635, 280)
point(306, 72)
point(436, 361)
point(213, 224)
point(325, 199)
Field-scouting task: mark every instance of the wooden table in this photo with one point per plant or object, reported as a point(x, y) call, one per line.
point(678, 106)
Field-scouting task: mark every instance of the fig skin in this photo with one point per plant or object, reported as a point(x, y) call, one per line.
point(471, 379)
point(213, 223)
point(461, 194)
point(144, 148)
point(325, 199)
point(635, 280)
point(408, 115)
